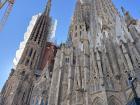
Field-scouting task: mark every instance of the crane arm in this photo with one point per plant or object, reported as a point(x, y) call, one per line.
point(2, 3)
point(6, 14)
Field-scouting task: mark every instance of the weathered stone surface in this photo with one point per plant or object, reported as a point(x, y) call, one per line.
point(91, 68)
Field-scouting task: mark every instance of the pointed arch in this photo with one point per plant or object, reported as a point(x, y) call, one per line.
point(114, 101)
point(98, 101)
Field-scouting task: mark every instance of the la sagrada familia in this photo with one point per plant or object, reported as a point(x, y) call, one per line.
point(99, 64)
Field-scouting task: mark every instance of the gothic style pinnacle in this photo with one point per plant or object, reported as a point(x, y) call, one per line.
point(89, 69)
point(48, 7)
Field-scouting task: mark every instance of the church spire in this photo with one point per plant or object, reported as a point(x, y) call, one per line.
point(48, 7)
point(78, 12)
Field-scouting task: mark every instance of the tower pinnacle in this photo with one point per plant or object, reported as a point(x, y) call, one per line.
point(48, 7)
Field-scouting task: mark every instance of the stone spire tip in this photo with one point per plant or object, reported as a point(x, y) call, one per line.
point(48, 7)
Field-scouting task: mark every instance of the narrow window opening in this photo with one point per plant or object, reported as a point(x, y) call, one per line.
point(46, 102)
point(30, 53)
point(27, 62)
point(37, 101)
point(80, 33)
point(80, 27)
point(34, 55)
point(74, 60)
point(67, 60)
point(32, 101)
point(42, 102)
point(75, 27)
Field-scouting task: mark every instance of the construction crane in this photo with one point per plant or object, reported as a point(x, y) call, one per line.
point(7, 12)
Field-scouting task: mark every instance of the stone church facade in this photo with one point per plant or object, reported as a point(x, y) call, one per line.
point(91, 68)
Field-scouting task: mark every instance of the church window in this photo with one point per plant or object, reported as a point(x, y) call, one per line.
point(80, 27)
point(37, 101)
point(36, 36)
point(46, 102)
point(42, 102)
point(82, 46)
point(80, 33)
point(74, 60)
point(27, 62)
point(30, 53)
point(75, 27)
point(67, 60)
point(34, 55)
point(32, 103)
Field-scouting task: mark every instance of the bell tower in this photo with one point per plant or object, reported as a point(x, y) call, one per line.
point(79, 25)
point(38, 38)
point(18, 88)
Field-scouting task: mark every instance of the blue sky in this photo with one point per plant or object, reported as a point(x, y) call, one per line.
point(20, 16)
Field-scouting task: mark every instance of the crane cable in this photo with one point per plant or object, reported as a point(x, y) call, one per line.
point(6, 14)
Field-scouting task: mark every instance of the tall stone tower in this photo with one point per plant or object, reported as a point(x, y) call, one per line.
point(19, 86)
point(102, 50)
point(91, 68)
